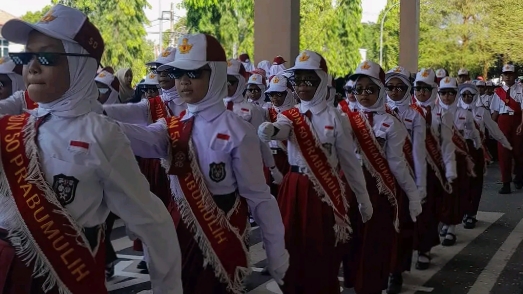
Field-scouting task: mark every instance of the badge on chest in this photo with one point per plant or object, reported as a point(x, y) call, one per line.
point(65, 188)
point(217, 171)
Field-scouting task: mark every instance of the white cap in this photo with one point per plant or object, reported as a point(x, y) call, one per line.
point(107, 78)
point(278, 83)
point(195, 51)
point(60, 22)
point(399, 70)
point(7, 66)
point(350, 83)
point(427, 76)
point(449, 83)
point(151, 79)
point(165, 57)
point(467, 87)
point(489, 84)
point(256, 79)
point(463, 72)
point(309, 60)
point(480, 83)
point(509, 68)
point(441, 73)
point(370, 69)
point(235, 67)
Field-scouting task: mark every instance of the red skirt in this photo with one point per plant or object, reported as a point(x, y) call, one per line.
point(452, 205)
point(476, 183)
point(426, 235)
point(368, 263)
point(404, 240)
point(282, 163)
point(309, 238)
point(158, 184)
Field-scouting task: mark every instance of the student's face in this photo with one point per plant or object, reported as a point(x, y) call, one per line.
point(104, 92)
point(6, 88)
point(165, 81)
point(396, 89)
point(423, 91)
point(467, 97)
point(447, 96)
point(46, 83)
point(509, 78)
point(128, 77)
point(232, 85)
point(306, 83)
point(278, 98)
point(193, 90)
point(253, 92)
point(366, 92)
point(150, 91)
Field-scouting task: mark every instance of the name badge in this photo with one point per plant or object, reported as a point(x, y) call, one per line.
point(511, 113)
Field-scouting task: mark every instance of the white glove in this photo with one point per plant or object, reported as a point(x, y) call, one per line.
point(276, 175)
point(451, 179)
point(506, 144)
point(266, 131)
point(415, 209)
point(366, 211)
point(130, 234)
point(422, 193)
point(278, 268)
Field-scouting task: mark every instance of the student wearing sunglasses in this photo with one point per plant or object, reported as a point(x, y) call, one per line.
point(79, 168)
point(13, 97)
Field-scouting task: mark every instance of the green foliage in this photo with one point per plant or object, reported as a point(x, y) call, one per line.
point(35, 16)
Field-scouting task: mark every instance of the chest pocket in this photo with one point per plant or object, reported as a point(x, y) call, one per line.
point(69, 178)
point(245, 113)
point(381, 137)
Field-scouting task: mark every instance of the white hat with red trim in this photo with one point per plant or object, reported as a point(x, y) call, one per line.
point(489, 84)
point(278, 84)
point(257, 79)
point(441, 73)
point(463, 72)
point(509, 68)
point(106, 77)
point(151, 79)
point(309, 60)
point(398, 71)
point(60, 22)
point(448, 83)
point(165, 57)
point(7, 66)
point(480, 83)
point(427, 76)
point(369, 69)
point(235, 68)
point(195, 51)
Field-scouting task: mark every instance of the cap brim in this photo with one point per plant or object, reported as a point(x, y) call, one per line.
point(354, 77)
point(275, 88)
point(17, 31)
point(302, 67)
point(153, 63)
point(184, 64)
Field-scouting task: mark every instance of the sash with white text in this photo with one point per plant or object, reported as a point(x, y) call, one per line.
point(220, 236)
point(45, 233)
point(462, 148)
point(344, 106)
point(273, 115)
point(407, 146)
point(375, 160)
point(434, 158)
point(322, 174)
point(509, 101)
point(157, 108)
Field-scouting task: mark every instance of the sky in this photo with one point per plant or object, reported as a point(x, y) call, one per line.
point(371, 10)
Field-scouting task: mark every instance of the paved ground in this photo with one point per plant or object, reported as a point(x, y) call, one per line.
point(485, 260)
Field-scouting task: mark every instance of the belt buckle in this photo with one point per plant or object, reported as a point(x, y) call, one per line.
point(302, 169)
point(274, 151)
point(511, 113)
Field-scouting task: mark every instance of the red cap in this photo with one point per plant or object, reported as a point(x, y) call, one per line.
point(278, 60)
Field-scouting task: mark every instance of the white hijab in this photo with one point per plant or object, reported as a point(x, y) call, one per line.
point(472, 89)
point(82, 95)
point(265, 65)
point(406, 100)
point(379, 106)
point(217, 88)
point(433, 96)
point(238, 95)
point(320, 95)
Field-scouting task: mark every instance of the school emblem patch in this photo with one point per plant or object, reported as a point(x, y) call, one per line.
point(65, 188)
point(327, 147)
point(217, 171)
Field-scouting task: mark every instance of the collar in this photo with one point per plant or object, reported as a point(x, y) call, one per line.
point(315, 109)
point(209, 114)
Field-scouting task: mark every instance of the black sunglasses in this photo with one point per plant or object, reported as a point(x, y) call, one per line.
point(44, 58)
point(177, 73)
point(309, 82)
point(254, 90)
point(443, 93)
point(149, 89)
point(397, 88)
point(277, 94)
point(424, 89)
point(369, 91)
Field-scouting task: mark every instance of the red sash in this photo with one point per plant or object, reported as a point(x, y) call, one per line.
point(486, 155)
point(375, 160)
point(157, 109)
point(45, 233)
point(509, 101)
point(325, 177)
point(463, 149)
point(182, 114)
point(434, 158)
point(344, 106)
point(29, 104)
point(407, 146)
point(273, 115)
point(221, 237)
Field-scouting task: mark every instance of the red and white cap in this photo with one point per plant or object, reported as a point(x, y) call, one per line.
point(7, 66)
point(235, 68)
point(369, 69)
point(260, 71)
point(257, 79)
point(60, 22)
point(278, 60)
point(509, 68)
point(165, 57)
point(309, 60)
point(398, 71)
point(427, 76)
point(480, 84)
point(448, 83)
point(441, 73)
point(106, 77)
point(151, 79)
point(463, 72)
point(489, 84)
point(195, 51)
point(278, 84)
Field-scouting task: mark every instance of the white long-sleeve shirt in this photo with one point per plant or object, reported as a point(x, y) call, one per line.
point(464, 122)
point(107, 179)
point(442, 129)
point(14, 104)
point(220, 136)
point(484, 120)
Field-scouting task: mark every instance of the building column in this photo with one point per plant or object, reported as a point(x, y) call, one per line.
point(409, 34)
point(276, 30)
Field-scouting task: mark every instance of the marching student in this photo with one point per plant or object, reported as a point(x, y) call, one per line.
point(469, 96)
point(214, 163)
point(52, 241)
point(506, 106)
point(11, 80)
point(108, 87)
point(467, 141)
point(348, 104)
point(441, 167)
point(379, 247)
point(312, 196)
point(256, 87)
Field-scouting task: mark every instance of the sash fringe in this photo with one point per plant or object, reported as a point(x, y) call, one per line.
point(210, 258)
point(470, 161)
point(342, 232)
point(379, 182)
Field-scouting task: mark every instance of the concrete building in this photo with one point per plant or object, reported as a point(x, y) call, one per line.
point(5, 46)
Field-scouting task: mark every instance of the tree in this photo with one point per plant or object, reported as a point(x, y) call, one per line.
point(121, 24)
point(33, 17)
point(171, 35)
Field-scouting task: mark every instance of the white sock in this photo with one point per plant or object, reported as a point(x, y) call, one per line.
point(424, 258)
point(451, 230)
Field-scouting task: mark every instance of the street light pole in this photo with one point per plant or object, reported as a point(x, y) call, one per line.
point(381, 31)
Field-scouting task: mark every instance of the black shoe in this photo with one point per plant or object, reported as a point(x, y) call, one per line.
point(422, 265)
point(449, 242)
point(142, 265)
point(470, 223)
point(395, 284)
point(518, 185)
point(265, 272)
point(505, 189)
point(109, 270)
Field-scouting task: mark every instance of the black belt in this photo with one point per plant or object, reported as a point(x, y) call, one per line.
point(276, 150)
point(225, 202)
point(298, 169)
